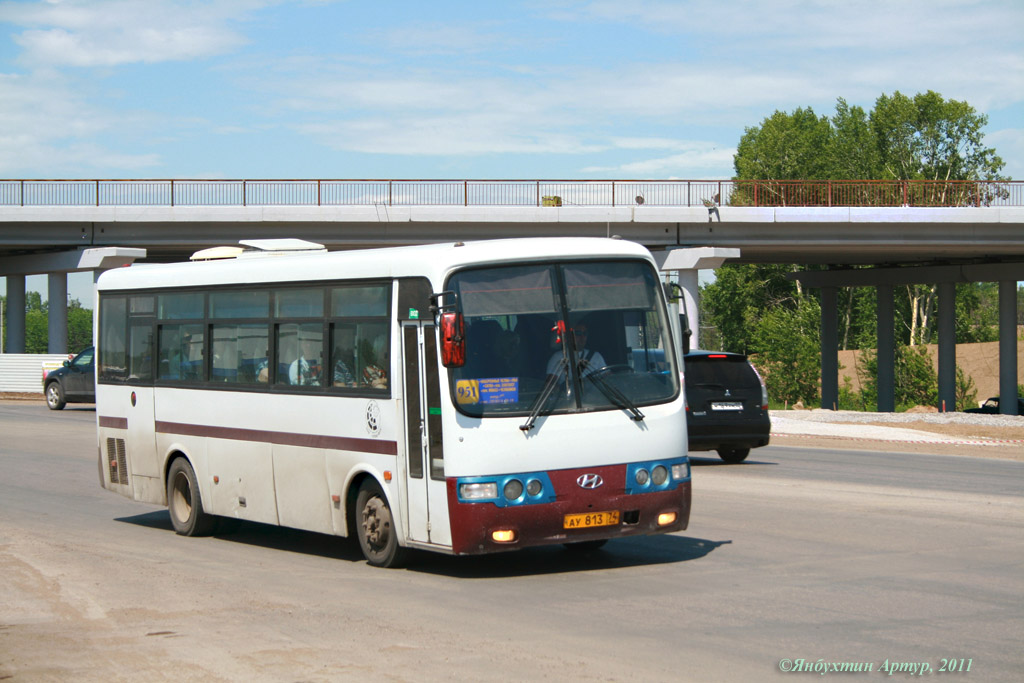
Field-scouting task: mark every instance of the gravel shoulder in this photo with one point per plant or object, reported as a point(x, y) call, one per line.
point(992, 436)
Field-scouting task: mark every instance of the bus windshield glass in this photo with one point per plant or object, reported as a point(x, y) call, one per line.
point(565, 337)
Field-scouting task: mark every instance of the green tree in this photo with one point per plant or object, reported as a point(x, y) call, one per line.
point(966, 392)
point(739, 296)
point(916, 382)
point(851, 150)
point(788, 340)
point(785, 147)
point(79, 327)
point(926, 137)
point(37, 324)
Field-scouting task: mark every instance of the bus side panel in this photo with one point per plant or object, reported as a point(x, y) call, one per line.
point(300, 479)
point(244, 475)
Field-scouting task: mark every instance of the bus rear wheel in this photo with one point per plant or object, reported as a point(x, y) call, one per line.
point(184, 502)
point(375, 526)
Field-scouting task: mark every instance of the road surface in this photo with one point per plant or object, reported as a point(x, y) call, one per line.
point(801, 558)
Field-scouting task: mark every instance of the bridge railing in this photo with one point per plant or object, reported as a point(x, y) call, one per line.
point(595, 193)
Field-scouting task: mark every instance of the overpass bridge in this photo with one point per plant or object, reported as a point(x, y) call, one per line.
point(909, 231)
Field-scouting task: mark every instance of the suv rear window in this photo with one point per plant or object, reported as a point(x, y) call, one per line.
point(733, 371)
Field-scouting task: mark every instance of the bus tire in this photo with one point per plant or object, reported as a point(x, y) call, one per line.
point(375, 527)
point(55, 396)
point(733, 455)
point(184, 502)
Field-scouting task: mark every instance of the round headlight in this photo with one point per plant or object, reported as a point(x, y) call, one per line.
point(534, 487)
point(642, 477)
point(659, 475)
point(513, 489)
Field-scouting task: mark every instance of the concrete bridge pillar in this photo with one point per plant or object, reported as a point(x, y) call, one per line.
point(15, 314)
point(886, 349)
point(1008, 347)
point(57, 316)
point(686, 262)
point(829, 349)
point(947, 347)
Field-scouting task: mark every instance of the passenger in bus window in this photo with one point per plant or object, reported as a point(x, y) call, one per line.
point(373, 355)
point(263, 370)
point(305, 370)
point(590, 361)
point(343, 355)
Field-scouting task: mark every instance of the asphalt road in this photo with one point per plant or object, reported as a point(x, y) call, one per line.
point(800, 558)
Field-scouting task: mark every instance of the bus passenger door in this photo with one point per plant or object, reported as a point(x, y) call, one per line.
point(425, 483)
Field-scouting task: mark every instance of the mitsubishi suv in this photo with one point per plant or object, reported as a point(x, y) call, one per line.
point(726, 404)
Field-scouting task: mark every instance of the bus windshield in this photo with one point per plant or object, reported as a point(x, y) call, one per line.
point(562, 337)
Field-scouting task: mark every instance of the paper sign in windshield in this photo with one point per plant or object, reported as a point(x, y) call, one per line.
point(488, 390)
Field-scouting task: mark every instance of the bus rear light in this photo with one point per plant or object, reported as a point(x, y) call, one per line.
point(503, 536)
point(478, 491)
point(666, 518)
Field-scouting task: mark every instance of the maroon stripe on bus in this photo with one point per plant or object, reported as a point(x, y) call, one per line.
point(114, 422)
point(341, 443)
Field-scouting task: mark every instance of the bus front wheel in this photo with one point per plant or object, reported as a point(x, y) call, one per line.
point(184, 502)
point(375, 526)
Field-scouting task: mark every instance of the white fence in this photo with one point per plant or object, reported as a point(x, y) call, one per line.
point(23, 372)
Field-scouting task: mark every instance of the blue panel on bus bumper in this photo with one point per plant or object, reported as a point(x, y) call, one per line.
point(670, 484)
point(546, 495)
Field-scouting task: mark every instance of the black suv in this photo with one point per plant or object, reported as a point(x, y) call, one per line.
point(73, 383)
point(726, 404)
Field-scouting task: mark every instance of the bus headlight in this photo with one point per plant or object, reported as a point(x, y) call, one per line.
point(513, 489)
point(478, 491)
point(534, 487)
point(659, 475)
point(681, 471)
point(642, 477)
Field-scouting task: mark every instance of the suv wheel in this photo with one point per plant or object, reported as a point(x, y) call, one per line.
point(55, 396)
point(733, 455)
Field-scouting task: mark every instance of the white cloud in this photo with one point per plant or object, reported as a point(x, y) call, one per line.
point(112, 32)
point(696, 157)
point(1009, 145)
point(43, 119)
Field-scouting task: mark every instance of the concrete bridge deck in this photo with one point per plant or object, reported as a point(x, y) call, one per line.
point(820, 235)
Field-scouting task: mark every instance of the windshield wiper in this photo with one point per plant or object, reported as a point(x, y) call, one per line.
point(543, 396)
point(613, 394)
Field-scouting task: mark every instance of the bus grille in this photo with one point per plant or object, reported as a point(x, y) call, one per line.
point(118, 461)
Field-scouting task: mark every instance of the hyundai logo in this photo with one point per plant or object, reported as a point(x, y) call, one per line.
point(589, 481)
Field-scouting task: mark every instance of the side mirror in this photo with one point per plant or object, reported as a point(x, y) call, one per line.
point(453, 340)
point(684, 325)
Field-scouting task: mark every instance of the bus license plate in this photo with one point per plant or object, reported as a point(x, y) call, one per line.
point(580, 521)
point(730, 405)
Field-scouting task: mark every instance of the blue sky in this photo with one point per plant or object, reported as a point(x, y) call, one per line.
point(444, 89)
point(546, 88)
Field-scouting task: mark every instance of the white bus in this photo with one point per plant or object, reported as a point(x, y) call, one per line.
point(460, 398)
